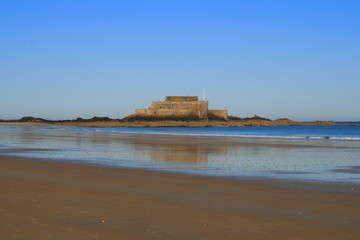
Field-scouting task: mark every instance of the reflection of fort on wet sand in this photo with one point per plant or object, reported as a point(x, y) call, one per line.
point(175, 153)
point(209, 155)
point(175, 150)
point(167, 149)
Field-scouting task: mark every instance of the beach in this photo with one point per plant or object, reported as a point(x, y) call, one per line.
point(61, 182)
point(43, 199)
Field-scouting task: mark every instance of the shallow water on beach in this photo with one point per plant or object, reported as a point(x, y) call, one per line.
point(346, 133)
point(239, 152)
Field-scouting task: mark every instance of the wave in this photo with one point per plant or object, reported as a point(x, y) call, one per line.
point(232, 135)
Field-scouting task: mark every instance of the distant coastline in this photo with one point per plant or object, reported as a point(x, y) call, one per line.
point(255, 121)
point(178, 111)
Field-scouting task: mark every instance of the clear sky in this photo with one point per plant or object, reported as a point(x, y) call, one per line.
point(67, 59)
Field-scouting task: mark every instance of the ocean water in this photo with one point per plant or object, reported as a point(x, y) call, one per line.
point(305, 153)
point(286, 132)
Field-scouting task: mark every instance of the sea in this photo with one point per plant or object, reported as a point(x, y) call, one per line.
point(301, 153)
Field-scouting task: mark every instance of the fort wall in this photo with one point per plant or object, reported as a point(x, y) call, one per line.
point(219, 113)
point(180, 106)
point(181, 98)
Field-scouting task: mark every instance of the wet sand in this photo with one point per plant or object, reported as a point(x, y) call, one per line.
point(52, 200)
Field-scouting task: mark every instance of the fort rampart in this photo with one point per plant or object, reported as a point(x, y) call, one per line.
point(180, 106)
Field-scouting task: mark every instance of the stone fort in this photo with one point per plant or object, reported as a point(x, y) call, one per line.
point(179, 106)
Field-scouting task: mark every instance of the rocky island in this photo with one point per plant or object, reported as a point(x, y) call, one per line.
point(178, 111)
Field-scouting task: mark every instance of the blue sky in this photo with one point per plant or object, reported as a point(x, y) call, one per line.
point(68, 59)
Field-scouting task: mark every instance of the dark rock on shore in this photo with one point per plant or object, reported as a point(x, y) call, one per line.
point(184, 121)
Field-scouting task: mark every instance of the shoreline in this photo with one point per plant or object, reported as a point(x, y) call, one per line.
point(48, 199)
point(291, 183)
point(329, 185)
point(171, 123)
point(271, 158)
point(264, 137)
